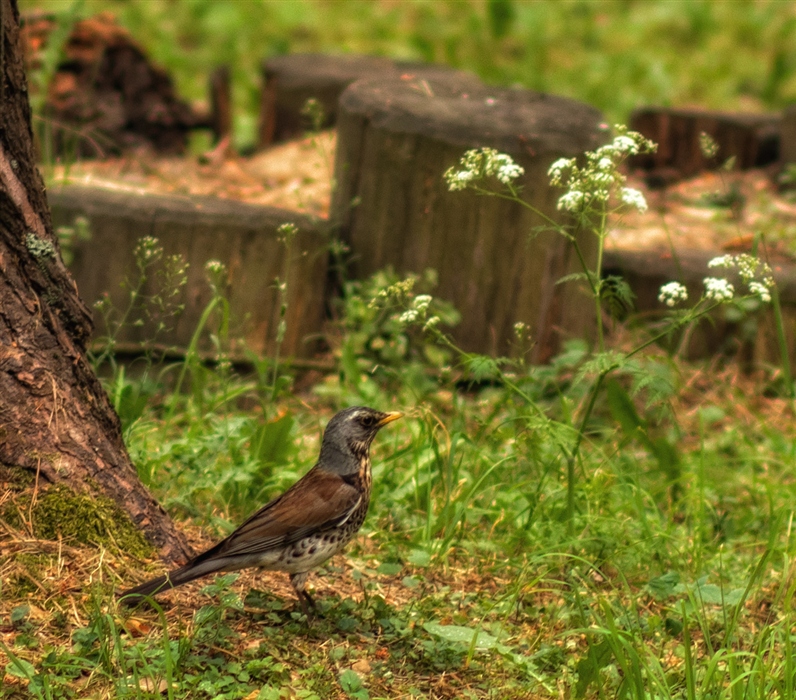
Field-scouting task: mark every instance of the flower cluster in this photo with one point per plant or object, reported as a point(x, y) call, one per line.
point(593, 183)
point(418, 313)
point(480, 163)
point(672, 293)
point(148, 250)
point(756, 274)
point(718, 289)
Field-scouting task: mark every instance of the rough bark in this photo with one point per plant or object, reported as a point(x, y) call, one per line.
point(55, 418)
point(397, 137)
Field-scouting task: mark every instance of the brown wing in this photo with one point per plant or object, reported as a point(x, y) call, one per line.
point(316, 502)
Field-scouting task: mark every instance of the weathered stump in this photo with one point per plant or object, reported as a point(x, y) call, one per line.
point(106, 96)
point(220, 88)
point(396, 138)
point(289, 81)
point(753, 339)
point(752, 139)
point(787, 135)
point(242, 236)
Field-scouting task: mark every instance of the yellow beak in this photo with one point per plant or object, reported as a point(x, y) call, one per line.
point(389, 418)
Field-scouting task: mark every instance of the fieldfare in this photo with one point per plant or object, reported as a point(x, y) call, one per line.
point(309, 523)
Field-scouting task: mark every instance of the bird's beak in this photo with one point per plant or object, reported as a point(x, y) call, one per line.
point(389, 418)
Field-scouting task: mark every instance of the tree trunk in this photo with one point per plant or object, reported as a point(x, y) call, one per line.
point(55, 418)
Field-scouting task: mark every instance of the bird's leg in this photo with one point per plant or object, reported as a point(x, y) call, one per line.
point(299, 582)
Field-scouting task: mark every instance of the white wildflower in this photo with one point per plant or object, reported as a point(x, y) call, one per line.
point(760, 290)
point(602, 179)
point(479, 163)
point(718, 289)
point(633, 198)
point(421, 302)
point(508, 172)
point(458, 179)
point(408, 316)
point(672, 293)
point(431, 323)
point(571, 201)
point(556, 170)
point(625, 144)
point(214, 267)
point(605, 164)
point(722, 261)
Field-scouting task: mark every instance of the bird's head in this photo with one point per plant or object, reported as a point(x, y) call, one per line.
point(350, 433)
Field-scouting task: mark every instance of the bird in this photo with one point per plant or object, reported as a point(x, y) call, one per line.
point(309, 523)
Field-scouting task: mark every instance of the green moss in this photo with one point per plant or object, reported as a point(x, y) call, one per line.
point(83, 518)
point(15, 478)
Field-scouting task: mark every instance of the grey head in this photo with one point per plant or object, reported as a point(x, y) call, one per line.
point(348, 436)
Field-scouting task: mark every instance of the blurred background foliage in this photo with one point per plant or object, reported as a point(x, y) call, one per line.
point(614, 54)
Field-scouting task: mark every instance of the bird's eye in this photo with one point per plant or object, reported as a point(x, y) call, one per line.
point(368, 420)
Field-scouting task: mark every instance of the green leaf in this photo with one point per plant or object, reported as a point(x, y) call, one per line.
point(624, 412)
point(418, 557)
point(665, 585)
point(271, 442)
point(588, 668)
point(19, 614)
point(390, 569)
point(711, 594)
point(351, 684)
point(461, 635)
point(575, 276)
point(668, 458)
point(19, 668)
point(672, 626)
point(482, 367)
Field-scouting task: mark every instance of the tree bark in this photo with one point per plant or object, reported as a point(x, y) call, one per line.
point(55, 418)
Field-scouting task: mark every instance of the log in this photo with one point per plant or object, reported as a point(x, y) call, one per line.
point(752, 139)
point(106, 96)
point(397, 137)
point(289, 81)
point(242, 236)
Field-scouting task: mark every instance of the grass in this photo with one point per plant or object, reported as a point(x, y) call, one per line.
point(465, 581)
point(614, 54)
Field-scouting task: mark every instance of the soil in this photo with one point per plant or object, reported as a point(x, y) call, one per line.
point(718, 211)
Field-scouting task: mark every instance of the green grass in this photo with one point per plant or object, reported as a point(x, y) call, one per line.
point(616, 55)
point(467, 534)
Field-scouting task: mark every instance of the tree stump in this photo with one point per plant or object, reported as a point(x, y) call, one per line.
point(106, 96)
point(243, 237)
point(289, 81)
point(397, 137)
point(787, 137)
point(752, 139)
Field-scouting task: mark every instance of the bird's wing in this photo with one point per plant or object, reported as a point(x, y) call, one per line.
point(318, 501)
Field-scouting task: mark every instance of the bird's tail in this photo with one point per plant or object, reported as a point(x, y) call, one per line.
point(178, 577)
